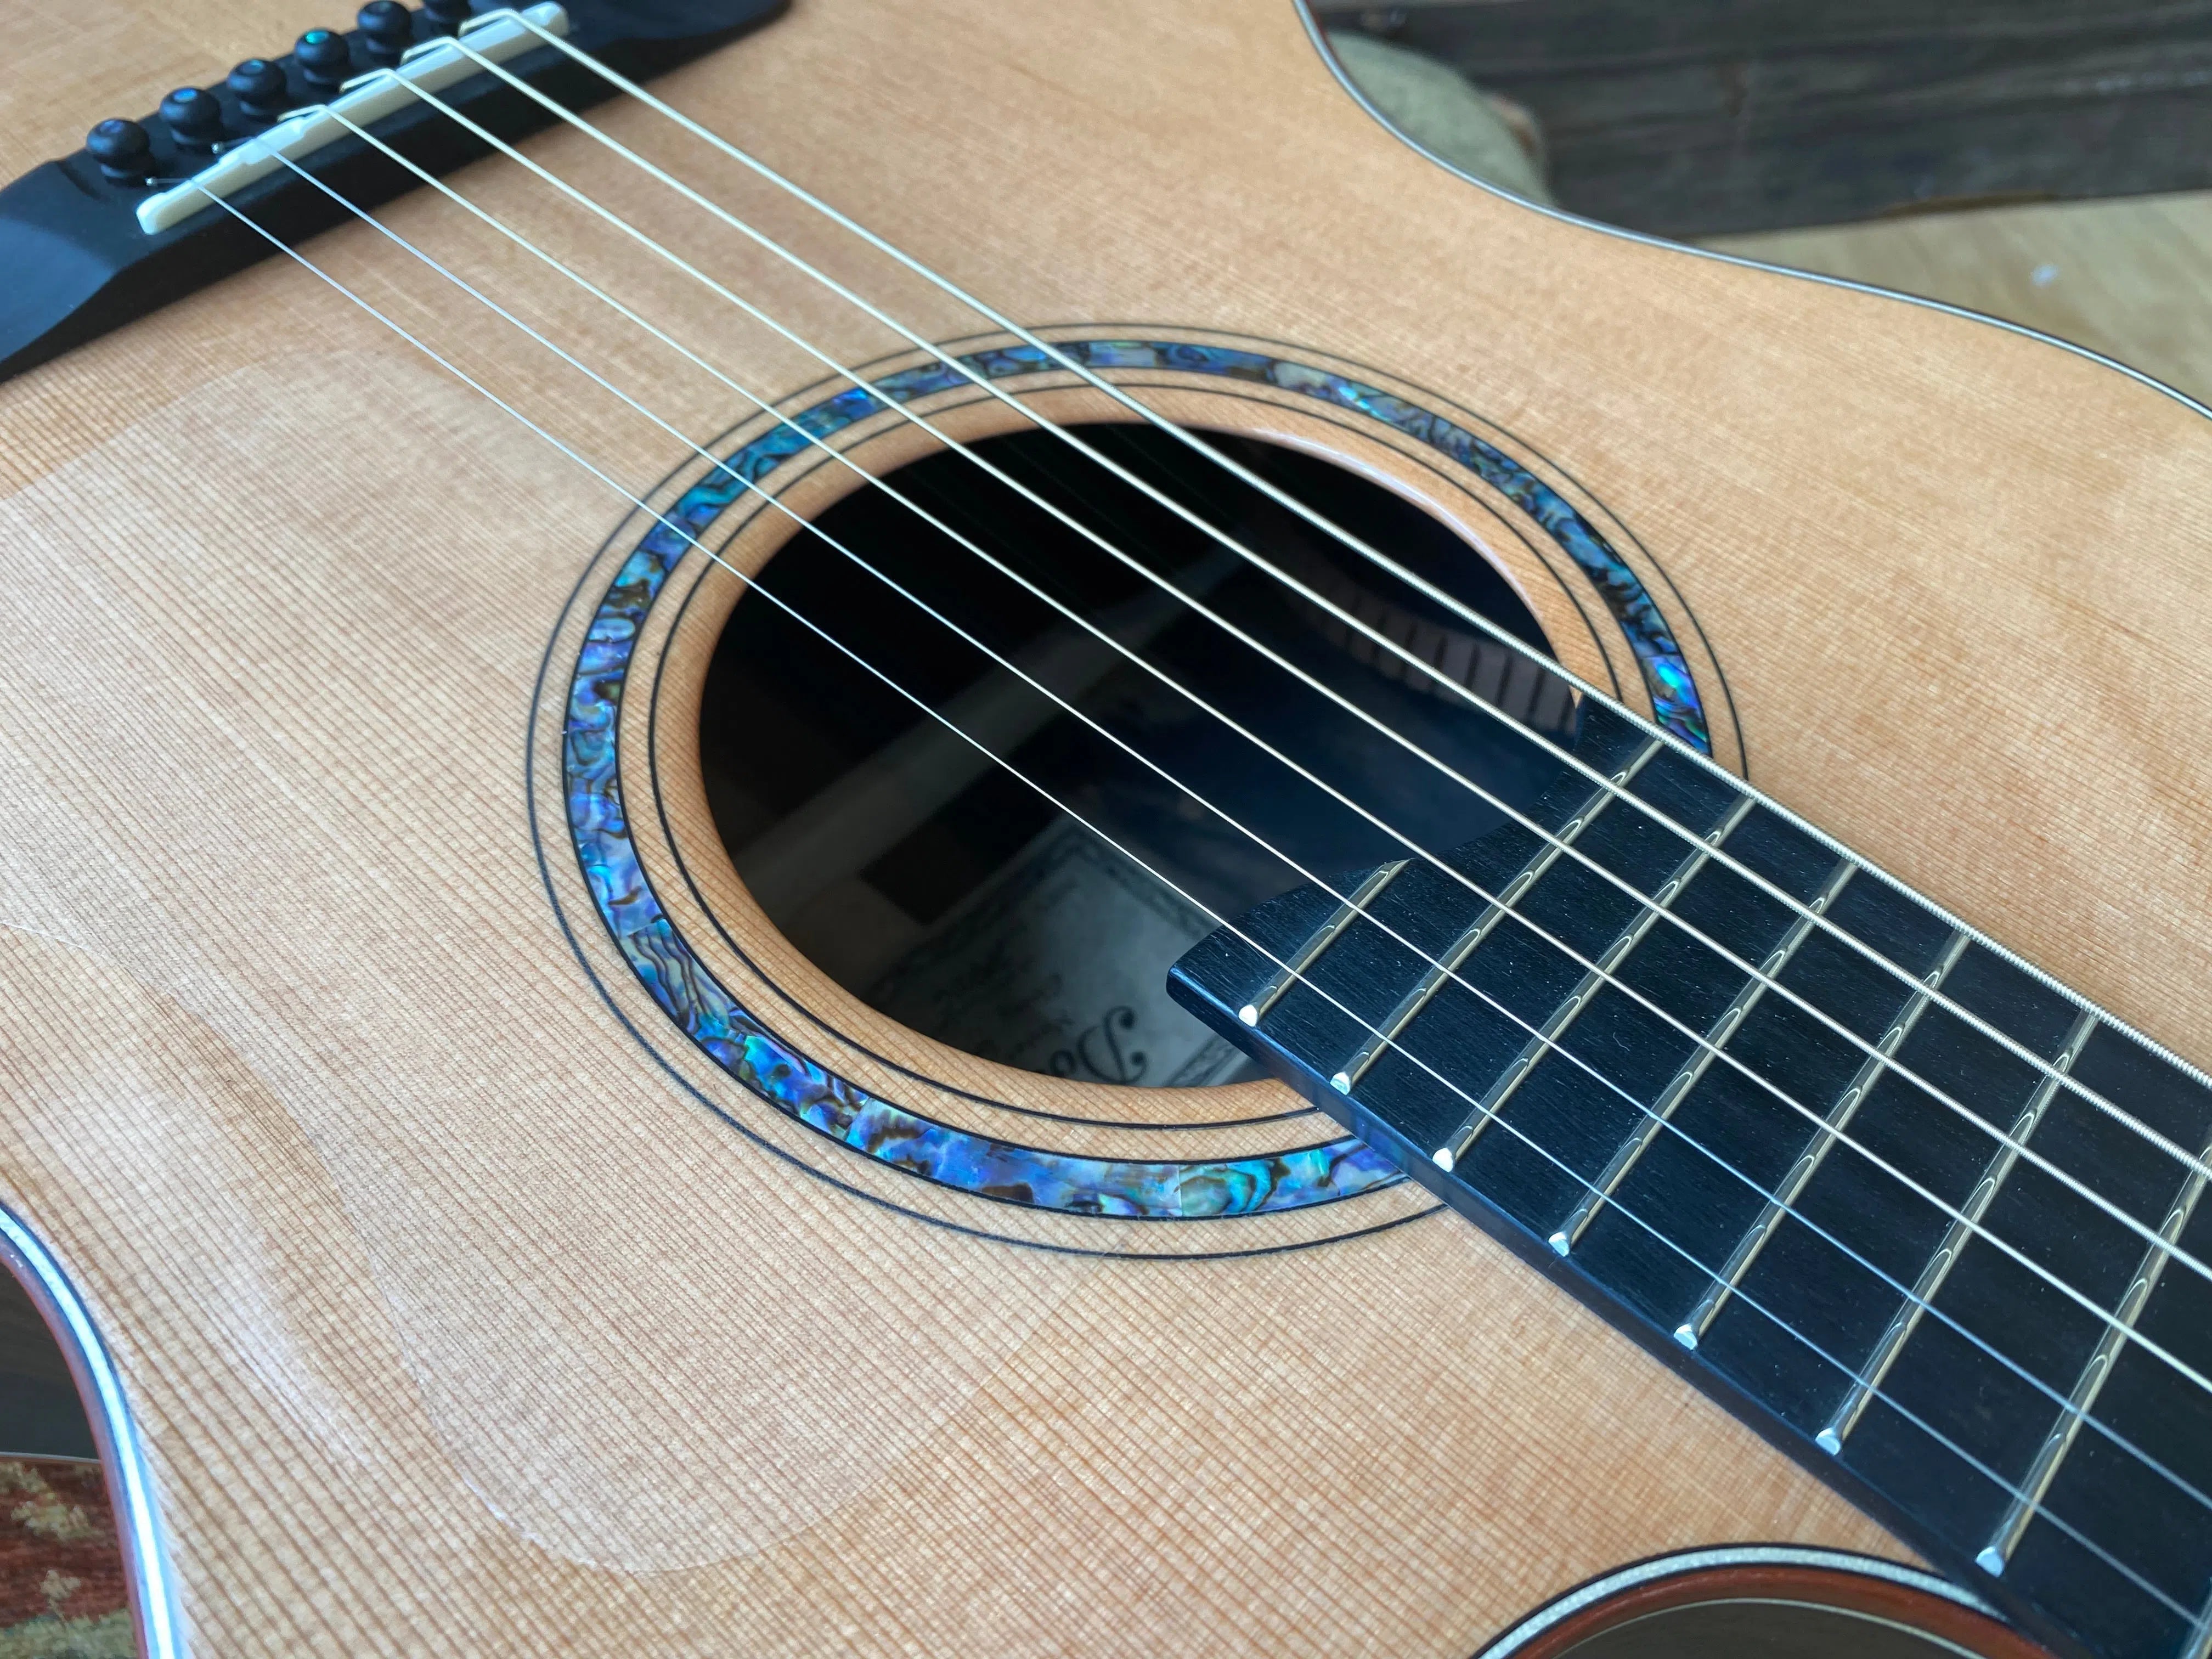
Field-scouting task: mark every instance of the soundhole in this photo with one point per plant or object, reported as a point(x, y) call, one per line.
point(1028, 911)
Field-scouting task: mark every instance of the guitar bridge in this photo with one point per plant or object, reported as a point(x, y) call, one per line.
point(152, 210)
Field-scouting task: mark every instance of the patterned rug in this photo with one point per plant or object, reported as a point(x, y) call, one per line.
point(61, 1566)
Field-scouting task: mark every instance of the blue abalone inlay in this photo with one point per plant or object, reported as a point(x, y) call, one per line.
point(842, 1110)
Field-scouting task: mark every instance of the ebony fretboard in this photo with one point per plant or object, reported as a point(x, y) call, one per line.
point(1769, 1203)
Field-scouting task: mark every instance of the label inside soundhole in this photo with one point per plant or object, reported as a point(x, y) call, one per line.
point(1014, 878)
point(1055, 965)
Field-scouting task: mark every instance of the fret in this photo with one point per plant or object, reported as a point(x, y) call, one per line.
point(1728, 1196)
point(1845, 1416)
point(1570, 1231)
point(1997, 1552)
point(1294, 968)
point(1700, 1317)
point(1454, 957)
point(1564, 1015)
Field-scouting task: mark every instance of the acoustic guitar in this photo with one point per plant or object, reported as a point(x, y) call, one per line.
point(797, 806)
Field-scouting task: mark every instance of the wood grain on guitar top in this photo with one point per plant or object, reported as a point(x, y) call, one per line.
point(452, 1323)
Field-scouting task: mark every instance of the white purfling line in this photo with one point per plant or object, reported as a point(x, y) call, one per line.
point(1747, 1249)
point(929, 711)
point(1659, 1569)
point(155, 1606)
point(1569, 1233)
point(1846, 1416)
point(1503, 637)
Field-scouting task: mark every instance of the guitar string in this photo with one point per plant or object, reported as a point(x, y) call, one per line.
point(1974, 1225)
point(2152, 1239)
point(2038, 1504)
point(1233, 821)
point(1936, 996)
point(2156, 1242)
point(1907, 1293)
point(2189, 1159)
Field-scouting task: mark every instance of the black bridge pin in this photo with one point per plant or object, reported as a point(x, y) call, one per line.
point(388, 26)
point(447, 16)
point(193, 117)
point(261, 87)
point(323, 58)
point(120, 147)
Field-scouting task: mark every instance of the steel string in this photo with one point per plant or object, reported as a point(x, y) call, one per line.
point(1752, 971)
point(2190, 1160)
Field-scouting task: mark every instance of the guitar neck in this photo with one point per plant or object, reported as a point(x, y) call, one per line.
point(1844, 1164)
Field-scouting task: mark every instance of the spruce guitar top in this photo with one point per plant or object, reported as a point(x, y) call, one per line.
point(799, 802)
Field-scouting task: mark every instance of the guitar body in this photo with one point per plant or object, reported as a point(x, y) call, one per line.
point(461, 1305)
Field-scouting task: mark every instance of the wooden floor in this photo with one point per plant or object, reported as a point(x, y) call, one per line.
point(2130, 277)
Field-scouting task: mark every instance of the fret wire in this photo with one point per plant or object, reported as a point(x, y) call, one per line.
point(1446, 965)
point(1146, 413)
point(1846, 1415)
point(927, 710)
point(1380, 639)
point(1709, 1306)
point(1569, 1233)
point(2028, 1496)
point(1600, 975)
point(1288, 973)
